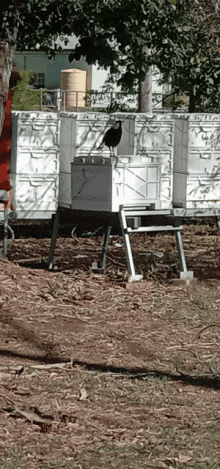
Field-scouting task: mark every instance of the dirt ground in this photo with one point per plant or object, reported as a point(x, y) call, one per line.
point(96, 372)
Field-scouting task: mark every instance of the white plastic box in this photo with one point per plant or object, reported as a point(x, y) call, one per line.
point(100, 184)
point(36, 196)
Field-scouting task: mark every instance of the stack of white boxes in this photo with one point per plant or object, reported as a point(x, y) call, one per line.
point(103, 183)
point(151, 168)
point(169, 160)
point(35, 164)
point(80, 133)
point(203, 180)
point(162, 138)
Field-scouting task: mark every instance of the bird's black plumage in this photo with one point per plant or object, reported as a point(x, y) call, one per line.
point(113, 136)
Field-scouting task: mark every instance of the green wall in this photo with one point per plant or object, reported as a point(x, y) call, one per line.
point(39, 63)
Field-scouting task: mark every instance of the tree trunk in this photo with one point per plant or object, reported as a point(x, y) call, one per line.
point(145, 90)
point(192, 102)
point(145, 93)
point(6, 54)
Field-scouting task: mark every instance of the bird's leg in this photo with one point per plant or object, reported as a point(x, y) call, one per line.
point(112, 153)
point(115, 156)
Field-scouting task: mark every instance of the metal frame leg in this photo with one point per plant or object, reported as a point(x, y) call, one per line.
point(53, 239)
point(128, 250)
point(102, 263)
point(5, 239)
point(184, 273)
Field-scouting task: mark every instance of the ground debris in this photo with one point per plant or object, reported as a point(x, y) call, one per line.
point(98, 372)
point(32, 415)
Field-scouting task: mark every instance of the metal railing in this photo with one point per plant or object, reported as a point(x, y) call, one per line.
point(44, 99)
point(62, 100)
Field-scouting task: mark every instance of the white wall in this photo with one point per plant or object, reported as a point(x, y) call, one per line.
point(99, 76)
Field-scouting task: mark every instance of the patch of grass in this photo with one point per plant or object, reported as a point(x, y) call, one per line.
point(58, 464)
point(124, 455)
point(13, 458)
point(202, 466)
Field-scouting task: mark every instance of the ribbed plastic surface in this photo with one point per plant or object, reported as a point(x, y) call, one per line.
point(35, 164)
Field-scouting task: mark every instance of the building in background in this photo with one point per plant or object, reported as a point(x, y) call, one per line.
point(48, 71)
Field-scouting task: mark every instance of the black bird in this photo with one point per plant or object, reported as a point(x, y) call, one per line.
point(112, 137)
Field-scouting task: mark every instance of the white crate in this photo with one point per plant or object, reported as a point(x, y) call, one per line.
point(34, 194)
point(30, 161)
point(204, 146)
point(203, 192)
point(35, 129)
point(101, 184)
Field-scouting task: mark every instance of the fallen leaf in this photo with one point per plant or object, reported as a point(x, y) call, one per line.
point(53, 375)
point(82, 395)
point(183, 459)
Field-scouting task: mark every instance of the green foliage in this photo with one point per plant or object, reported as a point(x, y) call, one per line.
point(195, 64)
point(115, 101)
point(182, 36)
point(25, 99)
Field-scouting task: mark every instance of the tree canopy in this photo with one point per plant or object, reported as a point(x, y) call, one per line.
point(111, 32)
point(182, 36)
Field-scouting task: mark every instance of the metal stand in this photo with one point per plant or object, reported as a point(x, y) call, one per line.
point(4, 200)
point(133, 213)
point(127, 211)
point(101, 265)
point(5, 239)
point(184, 273)
point(53, 239)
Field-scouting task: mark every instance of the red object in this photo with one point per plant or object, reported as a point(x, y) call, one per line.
point(5, 146)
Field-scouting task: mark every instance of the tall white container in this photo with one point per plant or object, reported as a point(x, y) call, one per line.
point(203, 180)
point(35, 164)
point(162, 138)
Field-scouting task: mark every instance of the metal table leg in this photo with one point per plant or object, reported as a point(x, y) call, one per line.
point(184, 273)
point(102, 263)
point(5, 240)
point(53, 239)
point(129, 256)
